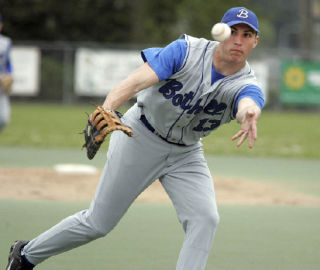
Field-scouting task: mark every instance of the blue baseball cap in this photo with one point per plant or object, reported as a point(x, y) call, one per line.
point(239, 15)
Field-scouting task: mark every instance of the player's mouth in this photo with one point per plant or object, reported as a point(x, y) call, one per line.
point(236, 52)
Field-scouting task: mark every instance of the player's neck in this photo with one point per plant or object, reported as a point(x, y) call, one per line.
point(225, 66)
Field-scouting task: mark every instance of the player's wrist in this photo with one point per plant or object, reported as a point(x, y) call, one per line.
point(106, 108)
point(240, 116)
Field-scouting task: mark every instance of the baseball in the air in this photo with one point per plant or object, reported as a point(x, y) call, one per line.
point(220, 32)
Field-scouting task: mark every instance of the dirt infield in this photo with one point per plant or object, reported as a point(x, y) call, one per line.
point(47, 184)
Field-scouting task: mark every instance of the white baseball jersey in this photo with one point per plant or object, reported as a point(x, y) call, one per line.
point(186, 107)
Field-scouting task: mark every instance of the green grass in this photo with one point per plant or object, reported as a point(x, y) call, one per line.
point(150, 237)
point(46, 125)
point(281, 134)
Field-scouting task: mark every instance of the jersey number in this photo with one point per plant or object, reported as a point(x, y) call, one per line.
point(213, 108)
point(207, 124)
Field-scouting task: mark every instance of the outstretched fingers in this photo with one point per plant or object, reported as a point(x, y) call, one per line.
point(248, 130)
point(252, 135)
point(242, 134)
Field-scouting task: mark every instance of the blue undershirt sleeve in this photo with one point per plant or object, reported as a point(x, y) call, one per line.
point(251, 91)
point(8, 64)
point(166, 61)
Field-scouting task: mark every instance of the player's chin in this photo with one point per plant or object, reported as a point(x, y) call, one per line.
point(237, 57)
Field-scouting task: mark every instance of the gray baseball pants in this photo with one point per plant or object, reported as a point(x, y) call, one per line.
point(132, 165)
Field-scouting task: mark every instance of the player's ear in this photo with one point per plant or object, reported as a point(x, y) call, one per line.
point(256, 41)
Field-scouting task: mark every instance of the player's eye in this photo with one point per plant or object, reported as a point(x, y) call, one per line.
point(233, 32)
point(247, 35)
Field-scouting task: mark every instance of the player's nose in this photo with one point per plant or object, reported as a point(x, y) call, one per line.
point(237, 39)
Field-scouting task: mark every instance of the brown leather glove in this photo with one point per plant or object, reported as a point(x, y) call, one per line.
point(100, 124)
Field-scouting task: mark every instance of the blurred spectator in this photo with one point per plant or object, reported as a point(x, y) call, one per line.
point(6, 78)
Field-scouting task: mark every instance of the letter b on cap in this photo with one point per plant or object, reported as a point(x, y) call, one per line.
point(243, 13)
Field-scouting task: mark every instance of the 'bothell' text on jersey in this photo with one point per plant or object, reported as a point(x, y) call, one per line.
point(186, 107)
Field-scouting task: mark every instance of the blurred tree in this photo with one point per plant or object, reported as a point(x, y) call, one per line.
point(196, 17)
point(154, 21)
point(127, 21)
point(279, 22)
point(73, 20)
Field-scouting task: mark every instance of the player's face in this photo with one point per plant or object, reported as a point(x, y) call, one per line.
point(242, 40)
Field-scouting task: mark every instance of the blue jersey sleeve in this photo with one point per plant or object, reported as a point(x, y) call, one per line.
point(9, 66)
point(166, 61)
point(8, 63)
point(251, 91)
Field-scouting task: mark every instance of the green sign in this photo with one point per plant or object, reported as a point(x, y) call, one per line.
point(300, 83)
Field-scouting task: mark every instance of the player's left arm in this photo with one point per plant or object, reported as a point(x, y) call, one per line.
point(247, 115)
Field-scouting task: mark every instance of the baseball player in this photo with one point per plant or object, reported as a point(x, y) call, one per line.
point(185, 90)
point(6, 78)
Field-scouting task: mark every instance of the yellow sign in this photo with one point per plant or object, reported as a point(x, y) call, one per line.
point(295, 78)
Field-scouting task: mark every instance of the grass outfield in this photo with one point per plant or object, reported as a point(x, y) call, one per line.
point(285, 134)
point(149, 237)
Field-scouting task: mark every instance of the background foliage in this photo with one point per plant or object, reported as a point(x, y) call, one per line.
point(133, 21)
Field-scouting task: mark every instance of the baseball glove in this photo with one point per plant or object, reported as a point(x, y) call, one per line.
point(100, 124)
point(6, 81)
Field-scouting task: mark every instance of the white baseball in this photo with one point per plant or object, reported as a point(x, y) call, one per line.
point(220, 32)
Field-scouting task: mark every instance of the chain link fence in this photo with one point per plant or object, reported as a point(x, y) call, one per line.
point(57, 70)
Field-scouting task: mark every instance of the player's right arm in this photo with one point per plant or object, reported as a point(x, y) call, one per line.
point(247, 115)
point(160, 64)
point(140, 79)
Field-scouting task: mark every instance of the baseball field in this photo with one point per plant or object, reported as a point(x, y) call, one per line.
point(268, 197)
